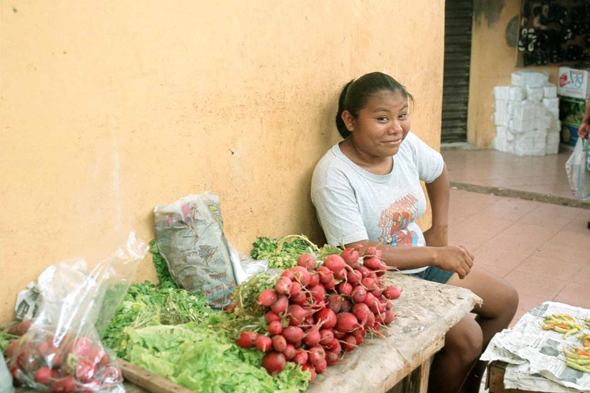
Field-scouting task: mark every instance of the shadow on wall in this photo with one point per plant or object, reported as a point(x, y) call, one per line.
point(490, 9)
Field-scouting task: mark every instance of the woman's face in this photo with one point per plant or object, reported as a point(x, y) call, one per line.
point(381, 125)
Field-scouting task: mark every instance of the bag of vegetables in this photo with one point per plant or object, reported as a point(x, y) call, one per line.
point(189, 233)
point(60, 350)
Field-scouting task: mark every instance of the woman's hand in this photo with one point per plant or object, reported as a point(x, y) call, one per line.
point(583, 130)
point(437, 236)
point(454, 259)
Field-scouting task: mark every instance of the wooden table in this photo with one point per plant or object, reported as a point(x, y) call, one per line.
point(400, 363)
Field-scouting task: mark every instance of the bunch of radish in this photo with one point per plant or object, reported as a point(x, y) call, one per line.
point(69, 364)
point(317, 313)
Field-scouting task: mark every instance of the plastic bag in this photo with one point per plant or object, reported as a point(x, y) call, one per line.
point(5, 378)
point(189, 233)
point(61, 350)
point(578, 175)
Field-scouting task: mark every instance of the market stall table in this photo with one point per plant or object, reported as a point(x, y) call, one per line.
point(399, 363)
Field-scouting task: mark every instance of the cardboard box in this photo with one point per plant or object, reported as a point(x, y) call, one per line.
point(571, 110)
point(573, 83)
point(569, 134)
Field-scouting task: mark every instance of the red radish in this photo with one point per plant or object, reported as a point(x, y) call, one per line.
point(392, 293)
point(327, 318)
point(349, 343)
point(369, 299)
point(289, 352)
point(293, 334)
point(307, 261)
point(300, 357)
point(334, 303)
point(97, 354)
point(263, 343)
point(340, 274)
point(372, 275)
point(43, 375)
point(247, 339)
point(301, 275)
point(267, 297)
point(326, 337)
point(344, 288)
point(85, 370)
point(318, 292)
point(368, 283)
point(280, 305)
point(289, 274)
point(295, 289)
point(325, 274)
point(361, 311)
point(354, 276)
point(335, 347)
point(316, 355)
point(300, 299)
point(296, 314)
point(388, 305)
point(334, 262)
point(20, 328)
point(310, 320)
point(350, 256)
point(321, 366)
point(279, 343)
point(65, 385)
point(359, 332)
point(359, 339)
point(110, 375)
point(346, 305)
point(309, 367)
point(339, 335)
point(377, 292)
point(271, 317)
point(330, 284)
point(274, 362)
point(370, 322)
point(373, 252)
point(81, 346)
point(283, 286)
point(10, 349)
point(389, 316)
point(314, 279)
point(346, 322)
point(372, 263)
point(331, 358)
point(275, 328)
point(364, 272)
point(312, 338)
point(359, 294)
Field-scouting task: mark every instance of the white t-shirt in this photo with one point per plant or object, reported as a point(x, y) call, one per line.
point(353, 204)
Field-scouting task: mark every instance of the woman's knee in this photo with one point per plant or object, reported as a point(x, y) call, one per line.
point(465, 340)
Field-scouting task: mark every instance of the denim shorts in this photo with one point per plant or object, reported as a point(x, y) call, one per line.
point(434, 274)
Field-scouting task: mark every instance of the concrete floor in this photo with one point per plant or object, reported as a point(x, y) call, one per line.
point(542, 249)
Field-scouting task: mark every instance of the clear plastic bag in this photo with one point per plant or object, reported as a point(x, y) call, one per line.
point(61, 350)
point(577, 173)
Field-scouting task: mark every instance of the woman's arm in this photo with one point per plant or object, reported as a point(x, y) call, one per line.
point(450, 258)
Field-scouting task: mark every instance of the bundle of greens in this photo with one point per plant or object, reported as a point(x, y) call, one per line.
point(207, 360)
point(283, 253)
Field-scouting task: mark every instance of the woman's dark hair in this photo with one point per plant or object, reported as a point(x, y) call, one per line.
point(357, 93)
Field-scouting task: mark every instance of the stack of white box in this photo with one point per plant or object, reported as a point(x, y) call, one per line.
point(527, 115)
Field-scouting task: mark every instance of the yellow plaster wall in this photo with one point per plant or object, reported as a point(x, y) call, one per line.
point(492, 63)
point(109, 108)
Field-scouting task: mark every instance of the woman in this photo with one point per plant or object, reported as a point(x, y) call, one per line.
point(366, 191)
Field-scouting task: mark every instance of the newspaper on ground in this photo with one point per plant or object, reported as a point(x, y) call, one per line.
point(535, 357)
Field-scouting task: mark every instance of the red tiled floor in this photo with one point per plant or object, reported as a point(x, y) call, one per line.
point(510, 209)
point(476, 230)
point(526, 303)
point(575, 294)
point(550, 267)
point(535, 284)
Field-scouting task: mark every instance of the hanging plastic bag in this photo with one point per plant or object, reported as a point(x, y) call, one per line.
point(61, 350)
point(577, 173)
point(189, 233)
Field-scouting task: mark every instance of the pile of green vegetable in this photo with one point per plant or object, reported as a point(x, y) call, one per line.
point(283, 253)
point(175, 334)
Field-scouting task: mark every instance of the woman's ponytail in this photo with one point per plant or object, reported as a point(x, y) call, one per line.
point(341, 108)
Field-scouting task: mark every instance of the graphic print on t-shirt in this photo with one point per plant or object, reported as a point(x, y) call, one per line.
point(394, 221)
